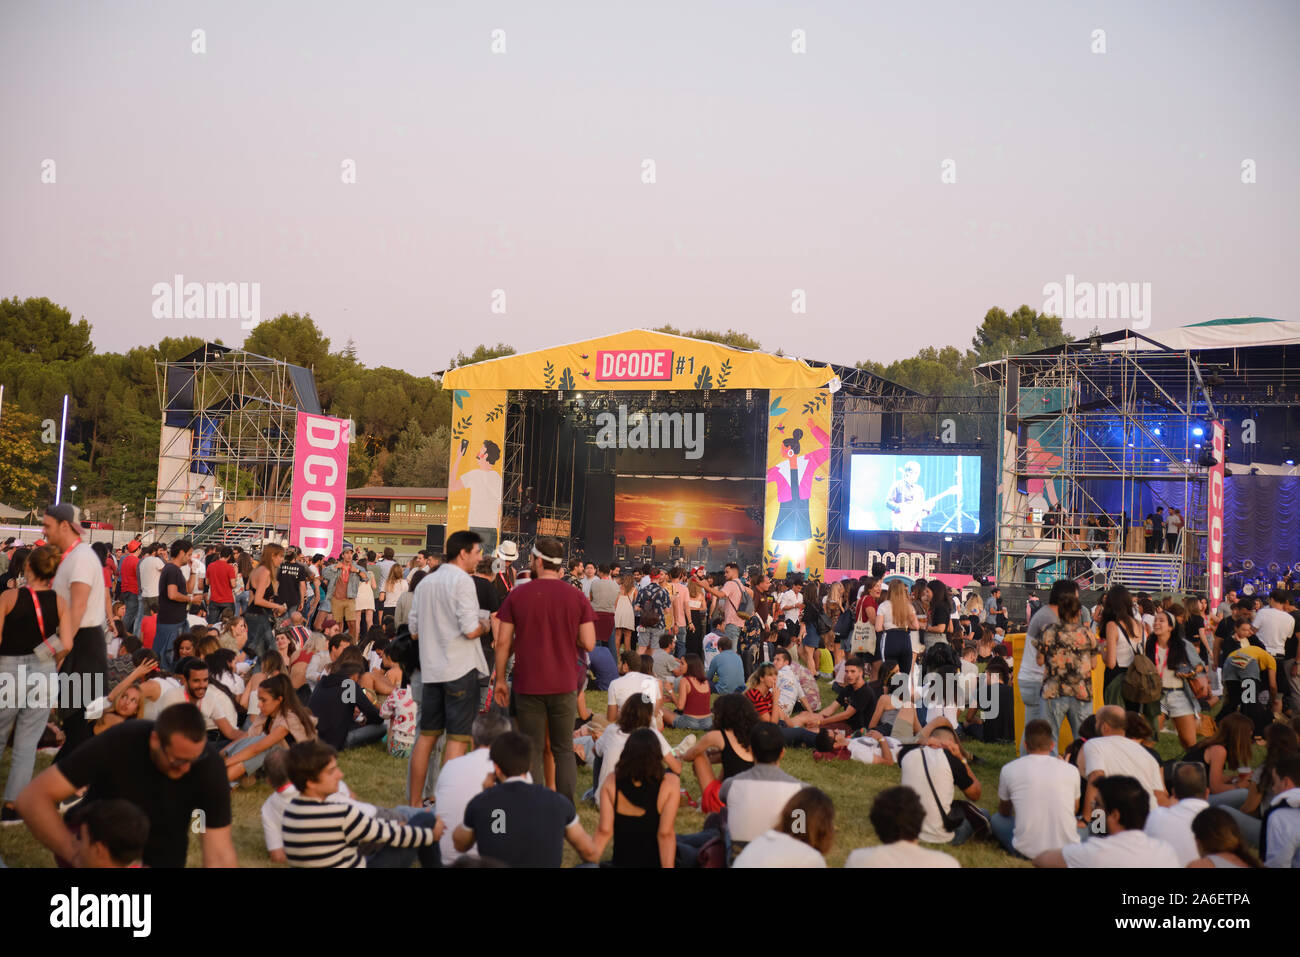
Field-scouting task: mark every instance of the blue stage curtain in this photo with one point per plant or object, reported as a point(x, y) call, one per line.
point(1261, 519)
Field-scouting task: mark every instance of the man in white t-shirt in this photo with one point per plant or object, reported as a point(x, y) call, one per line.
point(948, 768)
point(461, 780)
point(1124, 801)
point(79, 581)
point(791, 602)
point(1273, 626)
point(1038, 797)
point(1112, 753)
point(631, 681)
point(483, 482)
point(898, 817)
point(1173, 824)
point(217, 709)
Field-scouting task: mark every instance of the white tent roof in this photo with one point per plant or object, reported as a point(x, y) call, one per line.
point(1215, 334)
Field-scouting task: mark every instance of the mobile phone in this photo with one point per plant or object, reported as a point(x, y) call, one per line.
point(464, 446)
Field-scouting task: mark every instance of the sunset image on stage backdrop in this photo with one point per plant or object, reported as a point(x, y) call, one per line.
point(690, 509)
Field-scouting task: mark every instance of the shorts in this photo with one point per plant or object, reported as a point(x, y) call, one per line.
point(1175, 704)
point(344, 609)
point(450, 706)
point(811, 638)
point(648, 638)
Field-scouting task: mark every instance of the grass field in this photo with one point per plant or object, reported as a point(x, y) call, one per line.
point(375, 777)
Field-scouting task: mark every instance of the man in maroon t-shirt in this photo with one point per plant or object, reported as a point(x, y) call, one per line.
point(221, 584)
point(555, 625)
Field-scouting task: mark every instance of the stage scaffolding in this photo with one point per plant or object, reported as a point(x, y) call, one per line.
point(1118, 415)
point(227, 448)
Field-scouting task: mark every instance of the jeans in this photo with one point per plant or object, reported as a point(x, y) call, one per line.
point(732, 632)
point(215, 610)
point(688, 845)
point(27, 724)
point(1075, 710)
point(1249, 826)
point(679, 650)
point(1004, 829)
point(1031, 695)
point(253, 763)
point(1229, 799)
point(242, 601)
point(435, 759)
point(261, 635)
point(163, 639)
point(362, 735)
point(540, 714)
point(429, 856)
point(685, 722)
point(963, 834)
point(795, 737)
point(132, 613)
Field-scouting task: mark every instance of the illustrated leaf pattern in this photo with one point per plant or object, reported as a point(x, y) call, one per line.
point(462, 426)
point(704, 381)
point(495, 413)
point(776, 408)
point(813, 406)
point(548, 373)
point(566, 380)
point(459, 395)
point(724, 371)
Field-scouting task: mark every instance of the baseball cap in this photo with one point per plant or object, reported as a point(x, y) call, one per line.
point(63, 512)
point(133, 546)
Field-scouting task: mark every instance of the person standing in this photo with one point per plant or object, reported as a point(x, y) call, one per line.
point(29, 619)
point(1173, 526)
point(446, 623)
point(173, 602)
point(547, 626)
point(604, 599)
point(1030, 675)
point(291, 582)
point(129, 579)
point(79, 581)
point(341, 584)
point(1066, 651)
point(148, 571)
point(221, 585)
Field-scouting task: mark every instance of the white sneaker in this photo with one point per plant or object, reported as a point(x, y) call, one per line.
point(687, 743)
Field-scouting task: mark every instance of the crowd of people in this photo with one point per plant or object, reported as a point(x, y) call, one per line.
point(216, 669)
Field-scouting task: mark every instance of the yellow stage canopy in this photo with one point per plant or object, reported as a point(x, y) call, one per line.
point(640, 360)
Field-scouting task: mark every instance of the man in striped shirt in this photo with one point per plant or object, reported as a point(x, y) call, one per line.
point(321, 833)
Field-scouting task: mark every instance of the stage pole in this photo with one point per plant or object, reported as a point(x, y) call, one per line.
point(63, 435)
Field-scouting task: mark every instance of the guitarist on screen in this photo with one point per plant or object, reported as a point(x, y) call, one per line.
point(906, 499)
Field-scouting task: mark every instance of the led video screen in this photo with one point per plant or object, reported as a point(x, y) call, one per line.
point(909, 492)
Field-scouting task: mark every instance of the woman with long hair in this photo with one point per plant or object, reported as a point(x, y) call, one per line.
point(1226, 757)
point(939, 625)
point(637, 712)
point(264, 607)
point(271, 664)
point(1220, 841)
point(392, 589)
point(693, 713)
point(803, 836)
point(696, 606)
point(365, 596)
point(282, 721)
point(921, 595)
point(638, 806)
point(1122, 637)
point(896, 619)
point(624, 615)
point(29, 630)
point(1177, 662)
point(734, 717)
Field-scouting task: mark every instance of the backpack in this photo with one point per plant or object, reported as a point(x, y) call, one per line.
point(651, 617)
point(1142, 681)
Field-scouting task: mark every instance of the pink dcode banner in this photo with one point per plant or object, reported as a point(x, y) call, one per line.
point(634, 365)
point(320, 484)
point(1215, 519)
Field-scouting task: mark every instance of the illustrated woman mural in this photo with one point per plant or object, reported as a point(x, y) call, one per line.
point(793, 476)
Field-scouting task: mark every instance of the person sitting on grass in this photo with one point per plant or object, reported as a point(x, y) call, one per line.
point(337, 700)
point(856, 703)
point(692, 702)
point(320, 832)
point(282, 721)
point(638, 712)
point(755, 797)
point(638, 804)
point(270, 664)
point(734, 718)
point(548, 819)
point(726, 673)
point(898, 817)
point(1126, 804)
point(803, 836)
point(632, 681)
point(1219, 841)
point(110, 833)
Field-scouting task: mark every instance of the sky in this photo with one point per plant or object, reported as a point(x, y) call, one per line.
point(523, 171)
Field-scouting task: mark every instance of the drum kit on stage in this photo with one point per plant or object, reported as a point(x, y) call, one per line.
point(1251, 579)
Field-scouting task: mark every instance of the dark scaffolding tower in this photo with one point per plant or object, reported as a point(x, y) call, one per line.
point(226, 454)
point(1125, 408)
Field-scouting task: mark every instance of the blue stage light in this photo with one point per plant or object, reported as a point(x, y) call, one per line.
point(1156, 430)
point(1197, 430)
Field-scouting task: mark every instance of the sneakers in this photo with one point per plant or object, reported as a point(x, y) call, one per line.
point(687, 743)
point(9, 817)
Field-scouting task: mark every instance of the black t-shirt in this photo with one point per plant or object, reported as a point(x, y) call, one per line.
point(291, 576)
point(863, 702)
point(489, 599)
point(117, 764)
point(172, 612)
point(539, 842)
